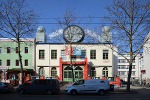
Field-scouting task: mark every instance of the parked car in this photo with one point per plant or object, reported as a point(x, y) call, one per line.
point(48, 86)
point(100, 86)
point(6, 87)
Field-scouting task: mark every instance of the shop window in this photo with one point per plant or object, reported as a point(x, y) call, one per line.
point(105, 54)
point(26, 62)
point(26, 49)
point(93, 72)
point(93, 54)
point(42, 71)
point(53, 72)
point(8, 63)
point(105, 72)
point(53, 54)
point(17, 62)
point(8, 49)
point(41, 54)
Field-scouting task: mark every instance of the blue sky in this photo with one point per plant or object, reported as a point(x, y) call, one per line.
point(56, 9)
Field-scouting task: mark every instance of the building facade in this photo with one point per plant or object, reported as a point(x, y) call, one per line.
point(145, 75)
point(89, 60)
point(9, 60)
point(123, 67)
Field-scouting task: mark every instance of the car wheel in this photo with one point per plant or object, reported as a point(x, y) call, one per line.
point(101, 92)
point(49, 92)
point(73, 92)
point(22, 91)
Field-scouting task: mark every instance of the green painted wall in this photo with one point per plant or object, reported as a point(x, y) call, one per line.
point(13, 56)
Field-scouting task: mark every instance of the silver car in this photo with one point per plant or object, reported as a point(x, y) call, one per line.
point(6, 87)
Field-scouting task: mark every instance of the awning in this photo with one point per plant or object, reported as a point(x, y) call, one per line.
point(18, 68)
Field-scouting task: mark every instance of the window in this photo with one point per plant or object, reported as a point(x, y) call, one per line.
point(133, 66)
point(121, 61)
point(105, 72)
point(92, 72)
point(53, 72)
point(121, 73)
point(105, 54)
point(121, 67)
point(133, 73)
point(42, 71)
point(17, 62)
point(63, 56)
point(26, 62)
point(53, 54)
point(0, 49)
point(93, 54)
point(26, 49)
point(41, 54)
point(8, 63)
point(83, 54)
point(16, 49)
point(0, 62)
point(8, 49)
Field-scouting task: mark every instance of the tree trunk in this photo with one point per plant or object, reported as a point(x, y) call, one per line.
point(20, 60)
point(71, 62)
point(129, 76)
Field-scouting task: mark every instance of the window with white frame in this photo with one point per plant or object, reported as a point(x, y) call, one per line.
point(93, 54)
point(133, 66)
point(133, 73)
point(105, 54)
point(83, 54)
point(63, 56)
point(41, 54)
point(53, 54)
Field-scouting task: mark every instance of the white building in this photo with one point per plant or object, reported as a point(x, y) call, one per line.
point(123, 67)
point(95, 60)
point(146, 58)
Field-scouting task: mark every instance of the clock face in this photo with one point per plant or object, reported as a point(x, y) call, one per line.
point(73, 33)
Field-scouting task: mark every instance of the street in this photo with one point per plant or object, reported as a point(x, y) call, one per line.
point(143, 93)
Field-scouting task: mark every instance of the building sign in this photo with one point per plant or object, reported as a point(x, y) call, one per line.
point(68, 50)
point(3, 67)
point(77, 50)
point(143, 71)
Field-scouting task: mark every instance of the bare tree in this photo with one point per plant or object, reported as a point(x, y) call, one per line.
point(18, 21)
point(129, 23)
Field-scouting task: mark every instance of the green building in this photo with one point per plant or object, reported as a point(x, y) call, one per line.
point(9, 60)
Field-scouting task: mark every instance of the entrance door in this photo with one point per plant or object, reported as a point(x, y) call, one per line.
point(78, 73)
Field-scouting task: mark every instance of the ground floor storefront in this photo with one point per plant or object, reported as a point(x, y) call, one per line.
point(78, 69)
point(14, 76)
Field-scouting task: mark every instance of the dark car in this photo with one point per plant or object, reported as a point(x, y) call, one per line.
point(48, 86)
point(6, 87)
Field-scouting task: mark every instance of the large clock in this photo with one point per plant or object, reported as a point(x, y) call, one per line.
point(73, 34)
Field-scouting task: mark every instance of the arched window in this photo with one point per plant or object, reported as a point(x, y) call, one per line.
point(105, 72)
point(93, 72)
point(78, 68)
point(42, 71)
point(53, 72)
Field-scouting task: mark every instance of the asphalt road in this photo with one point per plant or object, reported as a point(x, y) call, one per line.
point(142, 93)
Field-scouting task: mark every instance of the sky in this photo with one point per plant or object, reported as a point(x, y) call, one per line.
point(48, 10)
